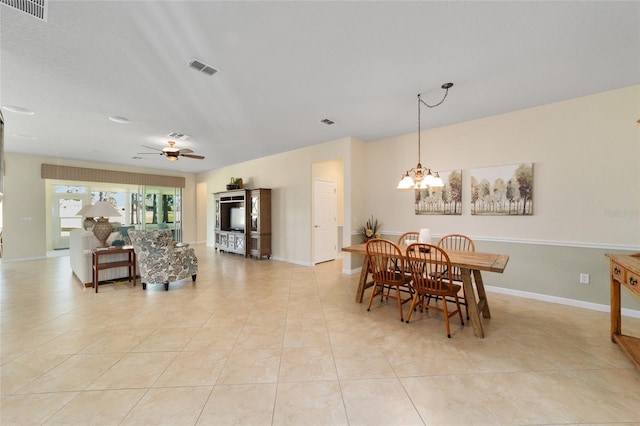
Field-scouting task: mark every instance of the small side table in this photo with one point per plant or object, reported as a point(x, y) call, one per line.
point(130, 263)
point(624, 272)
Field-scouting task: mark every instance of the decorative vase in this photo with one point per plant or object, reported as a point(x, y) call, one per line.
point(88, 223)
point(102, 229)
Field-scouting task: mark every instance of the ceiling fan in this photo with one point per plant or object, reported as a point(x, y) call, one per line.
point(173, 153)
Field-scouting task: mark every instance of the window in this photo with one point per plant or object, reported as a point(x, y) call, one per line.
point(147, 207)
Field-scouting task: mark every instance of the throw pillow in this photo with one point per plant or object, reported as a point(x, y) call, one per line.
point(124, 231)
point(113, 237)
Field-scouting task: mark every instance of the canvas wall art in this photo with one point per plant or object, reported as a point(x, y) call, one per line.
point(502, 190)
point(446, 200)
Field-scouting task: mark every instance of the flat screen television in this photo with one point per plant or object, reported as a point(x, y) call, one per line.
point(237, 219)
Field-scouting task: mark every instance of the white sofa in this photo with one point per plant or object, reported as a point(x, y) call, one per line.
point(81, 244)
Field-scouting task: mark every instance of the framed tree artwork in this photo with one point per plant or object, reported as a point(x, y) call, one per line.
point(502, 190)
point(444, 201)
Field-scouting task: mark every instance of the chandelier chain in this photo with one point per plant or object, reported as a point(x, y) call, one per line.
point(420, 101)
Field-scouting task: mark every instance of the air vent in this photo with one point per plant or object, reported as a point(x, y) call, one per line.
point(35, 8)
point(327, 122)
point(204, 68)
point(176, 135)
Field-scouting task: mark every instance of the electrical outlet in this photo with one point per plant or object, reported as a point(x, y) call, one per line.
point(584, 278)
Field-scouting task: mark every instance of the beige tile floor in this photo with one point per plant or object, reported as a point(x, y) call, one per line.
point(271, 343)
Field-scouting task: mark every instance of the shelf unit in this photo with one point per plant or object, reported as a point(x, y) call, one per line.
point(260, 223)
point(227, 238)
point(243, 222)
point(130, 263)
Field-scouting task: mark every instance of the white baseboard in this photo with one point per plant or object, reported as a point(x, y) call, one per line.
point(22, 259)
point(562, 300)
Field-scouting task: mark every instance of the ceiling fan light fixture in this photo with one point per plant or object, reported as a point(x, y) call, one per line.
point(172, 150)
point(172, 153)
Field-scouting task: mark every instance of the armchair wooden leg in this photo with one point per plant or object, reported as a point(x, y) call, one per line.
point(193, 277)
point(144, 286)
point(166, 286)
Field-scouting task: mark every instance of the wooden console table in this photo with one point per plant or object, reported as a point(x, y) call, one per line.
point(625, 270)
point(130, 263)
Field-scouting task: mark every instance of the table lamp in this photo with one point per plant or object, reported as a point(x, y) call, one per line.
point(424, 236)
point(102, 210)
point(88, 222)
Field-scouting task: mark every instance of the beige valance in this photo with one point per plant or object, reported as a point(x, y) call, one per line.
point(52, 171)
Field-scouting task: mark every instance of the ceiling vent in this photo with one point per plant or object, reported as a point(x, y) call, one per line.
point(176, 135)
point(35, 8)
point(204, 68)
point(327, 122)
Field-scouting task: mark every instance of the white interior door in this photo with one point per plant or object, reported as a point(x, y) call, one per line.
point(325, 226)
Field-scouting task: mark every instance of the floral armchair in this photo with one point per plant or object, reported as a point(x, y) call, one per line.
point(159, 260)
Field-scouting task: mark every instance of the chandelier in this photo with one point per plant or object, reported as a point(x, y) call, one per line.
point(421, 177)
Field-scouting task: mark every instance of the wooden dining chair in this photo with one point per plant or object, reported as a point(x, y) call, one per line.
point(431, 276)
point(456, 242)
point(406, 239)
point(402, 241)
point(386, 264)
point(461, 243)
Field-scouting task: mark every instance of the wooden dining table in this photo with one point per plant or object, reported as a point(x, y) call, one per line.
point(469, 262)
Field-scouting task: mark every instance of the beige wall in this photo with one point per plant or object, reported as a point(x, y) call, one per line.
point(25, 215)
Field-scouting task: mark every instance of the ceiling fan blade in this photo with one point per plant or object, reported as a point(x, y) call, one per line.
point(187, 150)
point(198, 157)
point(153, 153)
point(150, 147)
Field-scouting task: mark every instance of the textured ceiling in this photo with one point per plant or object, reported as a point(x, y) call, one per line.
point(284, 66)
